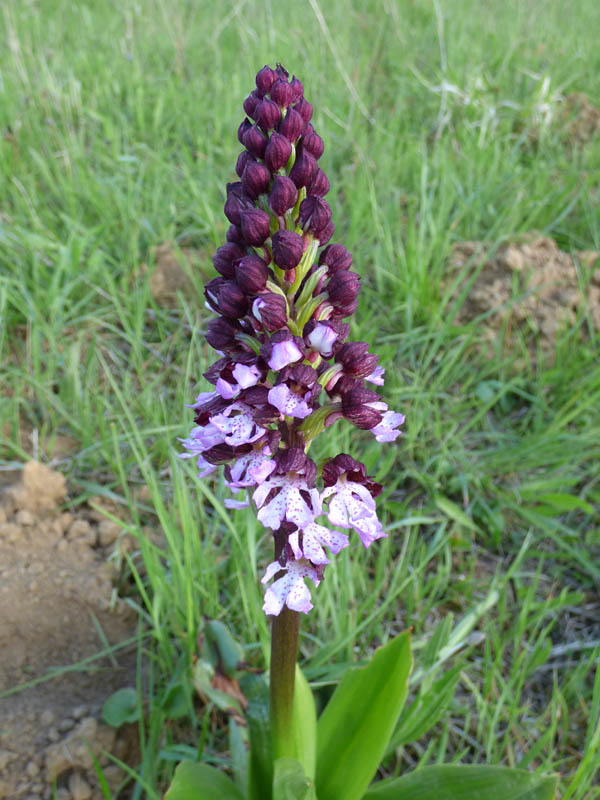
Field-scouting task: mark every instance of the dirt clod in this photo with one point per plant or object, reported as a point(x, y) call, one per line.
point(170, 276)
point(529, 288)
point(581, 119)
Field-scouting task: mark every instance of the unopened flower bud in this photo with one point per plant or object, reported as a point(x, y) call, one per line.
point(255, 180)
point(242, 160)
point(291, 125)
point(314, 215)
point(270, 310)
point(291, 460)
point(343, 289)
point(356, 360)
point(362, 407)
point(313, 144)
point(287, 249)
point(304, 108)
point(251, 274)
point(250, 104)
point(283, 194)
point(236, 202)
point(278, 152)
point(319, 185)
point(233, 303)
point(336, 257)
point(244, 127)
point(354, 471)
point(327, 232)
point(265, 78)
point(297, 88)
point(255, 141)
point(211, 292)
point(267, 114)
point(282, 93)
point(303, 170)
point(255, 226)
point(226, 257)
point(234, 234)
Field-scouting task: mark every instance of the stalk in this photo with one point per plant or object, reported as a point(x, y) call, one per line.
point(284, 650)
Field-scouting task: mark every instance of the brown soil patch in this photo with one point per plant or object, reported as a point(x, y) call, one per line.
point(581, 119)
point(57, 608)
point(529, 289)
point(171, 272)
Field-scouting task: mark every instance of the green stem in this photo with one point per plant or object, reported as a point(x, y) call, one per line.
point(284, 649)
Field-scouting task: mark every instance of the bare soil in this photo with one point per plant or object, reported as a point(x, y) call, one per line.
point(58, 607)
point(581, 120)
point(528, 290)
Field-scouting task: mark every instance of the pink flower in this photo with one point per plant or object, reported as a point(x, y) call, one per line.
point(314, 538)
point(237, 429)
point(284, 353)
point(244, 377)
point(352, 506)
point(376, 376)
point(290, 404)
point(386, 430)
point(290, 589)
point(251, 469)
point(322, 339)
point(282, 498)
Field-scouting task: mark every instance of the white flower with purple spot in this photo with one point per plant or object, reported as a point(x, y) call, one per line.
point(314, 538)
point(293, 501)
point(322, 339)
point(237, 429)
point(244, 377)
point(289, 403)
point(351, 506)
point(290, 589)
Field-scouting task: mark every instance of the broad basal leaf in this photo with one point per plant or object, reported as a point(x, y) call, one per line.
point(290, 782)
point(354, 729)
point(194, 781)
point(305, 724)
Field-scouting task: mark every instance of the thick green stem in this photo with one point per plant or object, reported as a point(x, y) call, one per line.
point(284, 650)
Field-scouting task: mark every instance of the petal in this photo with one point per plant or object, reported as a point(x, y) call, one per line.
point(284, 353)
point(246, 376)
point(288, 403)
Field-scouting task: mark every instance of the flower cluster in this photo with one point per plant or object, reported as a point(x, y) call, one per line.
point(286, 370)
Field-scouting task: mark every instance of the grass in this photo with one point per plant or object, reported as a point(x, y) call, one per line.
point(442, 123)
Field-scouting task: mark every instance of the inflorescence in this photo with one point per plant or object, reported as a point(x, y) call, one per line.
point(286, 370)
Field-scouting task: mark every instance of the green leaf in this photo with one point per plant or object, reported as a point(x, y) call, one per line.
point(290, 782)
point(121, 707)
point(228, 653)
point(354, 729)
point(194, 781)
point(239, 756)
point(174, 702)
point(458, 782)
point(455, 512)
point(202, 680)
point(260, 757)
point(305, 724)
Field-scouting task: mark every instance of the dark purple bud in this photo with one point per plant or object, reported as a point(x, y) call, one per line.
point(250, 104)
point(226, 257)
point(319, 185)
point(303, 375)
point(235, 202)
point(362, 407)
point(282, 93)
point(265, 78)
point(314, 214)
point(255, 226)
point(354, 471)
point(211, 292)
point(251, 274)
point(220, 334)
point(270, 310)
point(267, 115)
point(287, 249)
point(243, 159)
point(304, 108)
point(343, 288)
point(278, 152)
point(291, 460)
point(313, 144)
point(356, 360)
point(297, 88)
point(281, 72)
point(303, 170)
point(233, 303)
point(336, 257)
point(283, 194)
point(234, 234)
point(245, 126)
point(222, 453)
point(326, 234)
point(255, 180)
point(255, 141)
point(291, 125)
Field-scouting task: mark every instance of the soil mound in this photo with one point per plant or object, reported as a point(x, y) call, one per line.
point(58, 608)
point(529, 289)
